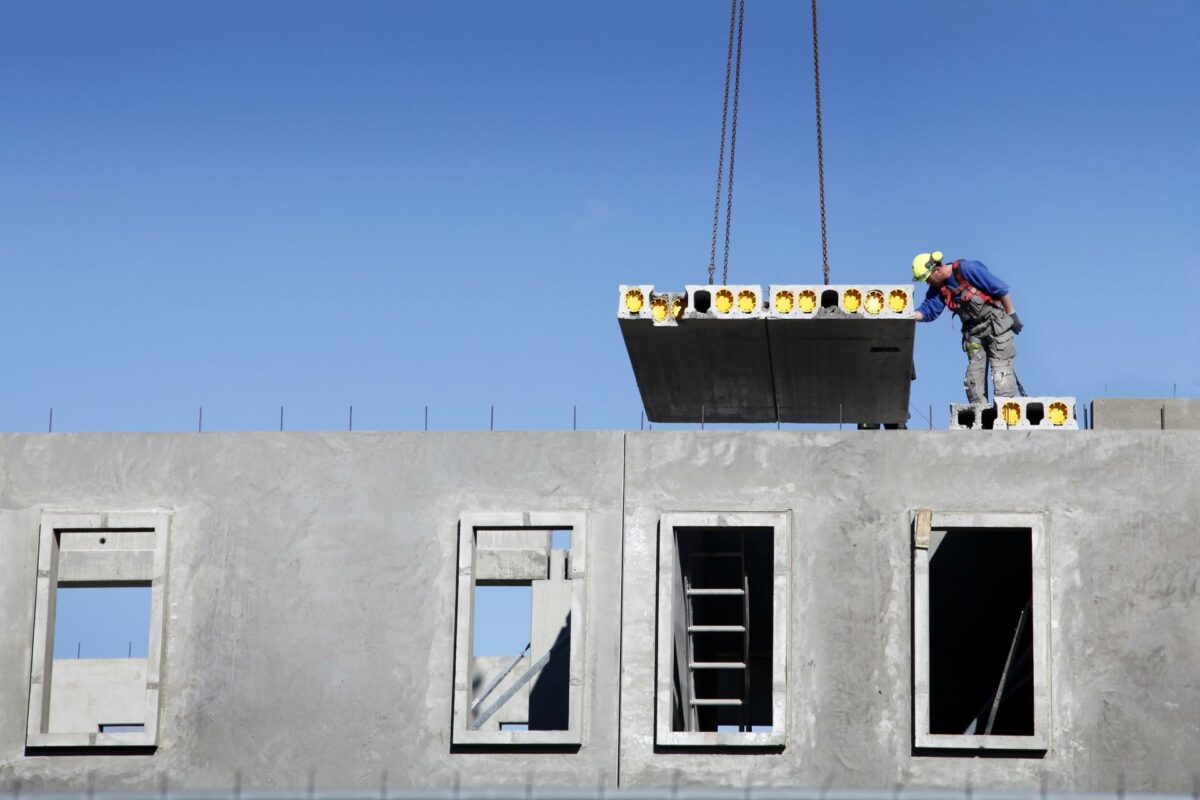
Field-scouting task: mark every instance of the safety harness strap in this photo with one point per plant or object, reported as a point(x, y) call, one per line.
point(965, 292)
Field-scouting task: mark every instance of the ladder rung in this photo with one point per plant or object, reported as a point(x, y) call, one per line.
point(714, 702)
point(702, 592)
point(716, 629)
point(717, 665)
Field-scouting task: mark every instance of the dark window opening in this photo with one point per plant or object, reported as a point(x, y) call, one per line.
point(966, 417)
point(702, 301)
point(829, 298)
point(1035, 413)
point(981, 632)
point(723, 627)
point(987, 418)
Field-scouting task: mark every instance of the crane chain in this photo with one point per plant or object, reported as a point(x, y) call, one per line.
point(712, 257)
point(737, 85)
point(820, 147)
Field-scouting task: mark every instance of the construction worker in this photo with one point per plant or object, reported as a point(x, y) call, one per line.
point(985, 308)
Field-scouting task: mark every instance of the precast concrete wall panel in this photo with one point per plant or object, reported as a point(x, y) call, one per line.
point(704, 369)
point(799, 354)
point(842, 369)
point(311, 600)
point(1121, 512)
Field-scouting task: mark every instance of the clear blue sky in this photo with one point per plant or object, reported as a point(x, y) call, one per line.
point(393, 204)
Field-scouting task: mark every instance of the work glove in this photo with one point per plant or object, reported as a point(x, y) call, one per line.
point(1017, 327)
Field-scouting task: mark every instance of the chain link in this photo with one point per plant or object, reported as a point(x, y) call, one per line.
point(737, 85)
point(820, 148)
point(712, 256)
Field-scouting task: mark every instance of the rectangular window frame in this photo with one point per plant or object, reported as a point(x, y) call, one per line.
point(468, 524)
point(924, 522)
point(41, 666)
point(780, 523)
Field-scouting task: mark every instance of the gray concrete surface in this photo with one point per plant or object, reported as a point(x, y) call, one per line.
point(1122, 512)
point(1145, 413)
point(711, 368)
point(827, 369)
point(90, 692)
point(311, 599)
point(312, 576)
point(852, 369)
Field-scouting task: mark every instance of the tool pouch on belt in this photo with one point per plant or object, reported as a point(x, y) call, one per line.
point(1001, 323)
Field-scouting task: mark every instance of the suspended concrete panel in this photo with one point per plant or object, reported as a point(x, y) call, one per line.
point(710, 370)
point(796, 354)
point(842, 369)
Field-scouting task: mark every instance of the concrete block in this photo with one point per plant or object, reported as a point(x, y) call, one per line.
point(511, 564)
point(517, 538)
point(111, 567)
point(972, 416)
point(1181, 415)
point(1016, 413)
point(1127, 414)
point(811, 301)
point(634, 301)
point(728, 302)
point(1036, 413)
point(640, 301)
point(1146, 413)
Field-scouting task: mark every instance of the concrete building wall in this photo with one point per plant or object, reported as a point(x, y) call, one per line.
point(311, 599)
point(90, 692)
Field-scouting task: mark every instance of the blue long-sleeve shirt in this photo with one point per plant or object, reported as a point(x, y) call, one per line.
point(979, 276)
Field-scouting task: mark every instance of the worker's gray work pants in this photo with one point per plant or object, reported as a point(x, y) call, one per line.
point(983, 346)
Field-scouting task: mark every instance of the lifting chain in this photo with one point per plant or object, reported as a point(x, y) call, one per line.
point(820, 149)
point(736, 14)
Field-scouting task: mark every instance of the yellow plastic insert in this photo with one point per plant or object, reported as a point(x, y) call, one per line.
point(784, 301)
point(677, 307)
point(724, 301)
point(852, 300)
point(634, 300)
point(807, 301)
point(747, 301)
point(1058, 413)
point(1011, 413)
point(898, 300)
point(658, 307)
point(874, 303)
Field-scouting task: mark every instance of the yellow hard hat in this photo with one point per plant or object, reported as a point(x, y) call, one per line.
point(924, 263)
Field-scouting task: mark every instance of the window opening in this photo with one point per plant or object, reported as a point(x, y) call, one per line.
point(722, 650)
point(722, 623)
point(520, 588)
point(102, 622)
point(980, 636)
point(503, 620)
point(522, 613)
point(981, 644)
point(94, 676)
